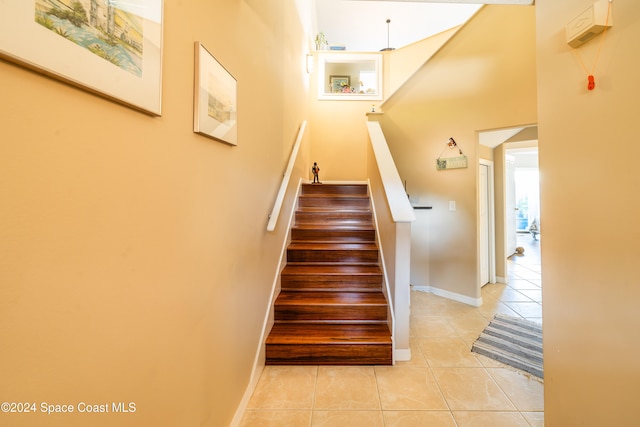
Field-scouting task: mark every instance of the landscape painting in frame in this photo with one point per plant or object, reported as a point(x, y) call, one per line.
point(215, 98)
point(110, 47)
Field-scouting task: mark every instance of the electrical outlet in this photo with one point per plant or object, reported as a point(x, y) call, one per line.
point(452, 205)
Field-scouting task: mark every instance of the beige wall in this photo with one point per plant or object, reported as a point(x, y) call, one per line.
point(403, 62)
point(134, 261)
point(499, 197)
point(590, 208)
point(481, 79)
point(338, 135)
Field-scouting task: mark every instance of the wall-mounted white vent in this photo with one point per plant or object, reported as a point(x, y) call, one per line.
point(589, 23)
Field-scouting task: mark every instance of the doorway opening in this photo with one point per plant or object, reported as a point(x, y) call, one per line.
point(517, 213)
point(513, 152)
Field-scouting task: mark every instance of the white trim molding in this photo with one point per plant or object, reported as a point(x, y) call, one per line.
point(475, 302)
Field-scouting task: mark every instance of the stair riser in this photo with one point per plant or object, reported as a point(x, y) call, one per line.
point(324, 313)
point(331, 283)
point(338, 255)
point(334, 202)
point(357, 190)
point(337, 280)
point(334, 235)
point(337, 217)
point(338, 354)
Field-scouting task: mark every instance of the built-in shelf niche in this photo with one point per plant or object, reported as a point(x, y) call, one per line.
point(360, 72)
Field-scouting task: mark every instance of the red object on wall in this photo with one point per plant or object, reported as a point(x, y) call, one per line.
point(592, 83)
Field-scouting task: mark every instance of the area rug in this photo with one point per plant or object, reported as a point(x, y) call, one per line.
point(513, 341)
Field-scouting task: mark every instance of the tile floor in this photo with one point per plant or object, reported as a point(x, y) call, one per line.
point(443, 385)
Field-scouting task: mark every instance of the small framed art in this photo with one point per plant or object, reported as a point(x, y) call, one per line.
point(338, 83)
point(215, 97)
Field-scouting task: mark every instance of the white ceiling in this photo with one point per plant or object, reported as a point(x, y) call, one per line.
point(494, 138)
point(360, 25)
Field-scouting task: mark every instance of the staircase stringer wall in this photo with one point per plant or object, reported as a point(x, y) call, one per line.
point(385, 279)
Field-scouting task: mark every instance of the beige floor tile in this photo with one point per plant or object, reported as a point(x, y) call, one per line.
point(524, 390)
point(525, 274)
point(488, 362)
point(512, 295)
point(346, 387)
point(430, 326)
point(417, 358)
point(526, 309)
point(420, 303)
point(271, 418)
point(489, 310)
point(471, 389)
point(534, 294)
point(285, 387)
point(490, 419)
point(407, 388)
point(447, 352)
point(347, 418)
point(469, 325)
point(535, 419)
point(522, 284)
point(492, 289)
point(418, 419)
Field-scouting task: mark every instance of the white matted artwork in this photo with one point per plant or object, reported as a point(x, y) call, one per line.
point(215, 98)
point(112, 49)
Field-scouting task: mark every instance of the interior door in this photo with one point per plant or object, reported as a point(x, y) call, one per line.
point(483, 209)
point(511, 209)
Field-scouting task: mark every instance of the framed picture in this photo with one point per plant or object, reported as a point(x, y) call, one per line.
point(339, 82)
point(110, 48)
point(214, 99)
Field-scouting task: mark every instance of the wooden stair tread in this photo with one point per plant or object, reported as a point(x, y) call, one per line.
point(331, 309)
point(310, 333)
point(332, 209)
point(365, 225)
point(331, 298)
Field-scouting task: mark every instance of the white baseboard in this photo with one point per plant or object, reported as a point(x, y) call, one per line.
point(500, 279)
point(401, 355)
point(244, 403)
point(475, 302)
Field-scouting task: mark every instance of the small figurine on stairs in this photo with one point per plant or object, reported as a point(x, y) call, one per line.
point(315, 169)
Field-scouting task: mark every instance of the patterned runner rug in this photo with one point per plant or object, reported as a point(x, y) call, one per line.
point(513, 341)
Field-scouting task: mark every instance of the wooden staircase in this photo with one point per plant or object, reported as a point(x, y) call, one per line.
point(331, 309)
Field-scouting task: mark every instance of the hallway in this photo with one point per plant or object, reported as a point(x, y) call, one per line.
point(523, 295)
point(443, 385)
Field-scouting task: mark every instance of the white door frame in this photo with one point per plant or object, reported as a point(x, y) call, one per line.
point(491, 223)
